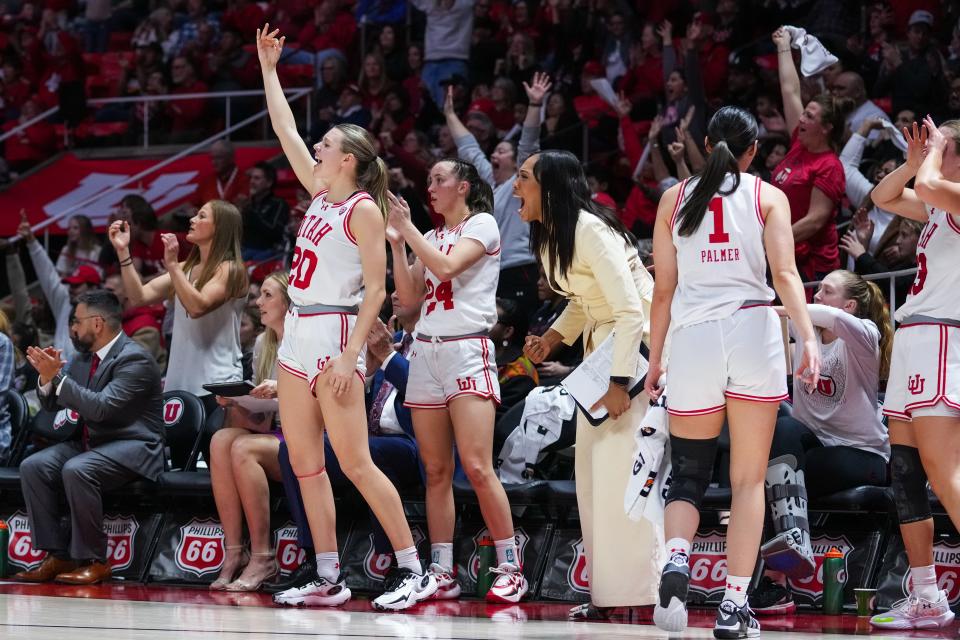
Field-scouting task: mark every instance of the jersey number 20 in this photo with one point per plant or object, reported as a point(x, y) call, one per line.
point(302, 266)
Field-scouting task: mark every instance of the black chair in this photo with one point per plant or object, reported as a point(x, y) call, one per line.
point(49, 426)
point(183, 419)
point(19, 413)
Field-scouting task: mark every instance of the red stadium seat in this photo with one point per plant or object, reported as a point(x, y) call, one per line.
point(296, 75)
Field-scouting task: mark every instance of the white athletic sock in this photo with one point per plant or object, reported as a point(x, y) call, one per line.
point(677, 545)
point(507, 551)
point(925, 582)
point(441, 553)
point(736, 590)
point(408, 559)
point(328, 565)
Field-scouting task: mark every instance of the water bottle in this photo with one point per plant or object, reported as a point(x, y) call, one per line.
point(834, 578)
point(4, 544)
point(487, 557)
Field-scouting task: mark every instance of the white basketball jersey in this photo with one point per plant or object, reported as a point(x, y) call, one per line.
point(936, 289)
point(468, 302)
point(326, 261)
point(723, 263)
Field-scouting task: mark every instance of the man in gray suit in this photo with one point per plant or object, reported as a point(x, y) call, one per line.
point(114, 384)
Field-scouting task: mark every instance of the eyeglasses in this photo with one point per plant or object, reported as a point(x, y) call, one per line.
point(77, 320)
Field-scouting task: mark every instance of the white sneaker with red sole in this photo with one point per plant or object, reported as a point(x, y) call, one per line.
point(448, 587)
point(509, 586)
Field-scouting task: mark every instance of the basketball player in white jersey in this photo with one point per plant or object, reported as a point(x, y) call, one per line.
point(923, 392)
point(453, 386)
point(726, 354)
point(336, 289)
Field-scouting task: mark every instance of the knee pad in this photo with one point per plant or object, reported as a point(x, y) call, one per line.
point(692, 462)
point(909, 483)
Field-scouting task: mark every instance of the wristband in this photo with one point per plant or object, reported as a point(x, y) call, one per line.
point(535, 104)
point(126, 263)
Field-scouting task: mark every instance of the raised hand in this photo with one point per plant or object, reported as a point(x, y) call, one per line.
point(676, 151)
point(863, 225)
point(624, 106)
point(655, 128)
point(269, 47)
point(398, 211)
point(448, 110)
point(538, 89)
point(23, 229)
point(665, 31)
point(916, 145)
point(119, 234)
point(171, 250)
point(781, 38)
point(935, 139)
point(852, 245)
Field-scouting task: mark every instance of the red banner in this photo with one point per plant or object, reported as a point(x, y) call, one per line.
point(72, 180)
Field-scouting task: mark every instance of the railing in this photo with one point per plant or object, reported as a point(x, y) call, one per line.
point(294, 94)
point(891, 276)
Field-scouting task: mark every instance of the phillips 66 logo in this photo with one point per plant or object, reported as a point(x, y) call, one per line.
point(121, 532)
point(200, 549)
point(708, 563)
point(289, 554)
point(20, 549)
point(577, 575)
point(946, 557)
point(376, 565)
point(813, 585)
point(473, 564)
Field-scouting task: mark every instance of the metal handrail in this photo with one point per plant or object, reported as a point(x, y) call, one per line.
point(297, 93)
point(32, 121)
point(892, 293)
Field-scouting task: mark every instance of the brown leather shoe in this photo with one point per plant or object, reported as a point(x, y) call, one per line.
point(90, 574)
point(49, 569)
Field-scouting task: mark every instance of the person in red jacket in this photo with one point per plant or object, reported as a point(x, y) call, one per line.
point(331, 28)
point(643, 81)
point(32, 145)
point(186, 116)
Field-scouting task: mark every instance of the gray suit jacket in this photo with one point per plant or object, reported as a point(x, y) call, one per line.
point(122, 406)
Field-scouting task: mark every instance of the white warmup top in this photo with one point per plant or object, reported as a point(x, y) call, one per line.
point(936, 289)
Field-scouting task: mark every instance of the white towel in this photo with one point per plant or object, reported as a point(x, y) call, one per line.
point(814, 57)
point(544, 412)
point(896, 135)
point(645, 484)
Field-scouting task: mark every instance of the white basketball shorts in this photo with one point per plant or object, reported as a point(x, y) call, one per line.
point(924, 372)
point(442, 371)
point(311, 341)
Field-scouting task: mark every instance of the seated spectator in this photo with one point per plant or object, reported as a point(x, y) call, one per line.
point(229, 67)
point(391, 51)
point(616, 46)
point(811, 174)
point(683, 85)
point(146, 242)
point(913, 77)
point(561, 128)
point(114, 385)
point(184, 39)
point(563, 359)
point(31, 145)
point(243, 456)
point(772, 152)
point(374, 82)
point(265, 216)
point(83, 246)
point(143, 324)
point(187, 122)
point(395, 117)
point(393, 446)
point(154, 29)
point(250, 329)
point(590, 107)
point(881, 227)
point(153, 114)
point(60, 293)
point(350, 110)
point(227, 181)
point(16, 89)
point(850, 85)
point(243, 16)
point(835, 439)
point(643, 81)
point(413, 83)
point(8, 364)
point(515, 371)
point(900, 255)
point(331, 28)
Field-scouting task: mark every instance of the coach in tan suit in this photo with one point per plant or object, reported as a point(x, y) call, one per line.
point(590, 258)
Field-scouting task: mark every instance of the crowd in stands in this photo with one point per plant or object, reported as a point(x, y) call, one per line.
point(488, 81)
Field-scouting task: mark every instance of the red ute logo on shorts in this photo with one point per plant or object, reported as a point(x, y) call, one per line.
point(63, 417)
point(289, 554)
point(200, 549)
point(915, 384)
point(473, 564)
point(946, 557)
point(708, 563)
point(121, 532)
point(577, 575)
point(172, 410)
point(376, 565)
point(20, 549)
point(813, 586)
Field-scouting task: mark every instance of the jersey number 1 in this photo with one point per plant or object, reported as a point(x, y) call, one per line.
point(718, 236)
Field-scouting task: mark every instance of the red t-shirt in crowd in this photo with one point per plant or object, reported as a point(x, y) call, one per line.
point(152, 254)
point(797, 174)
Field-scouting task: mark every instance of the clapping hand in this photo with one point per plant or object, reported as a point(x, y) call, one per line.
point(851, 244)
point(119, 234)
point(48, 362)
point(171, 250)
point(398, 212)
point(864, 226)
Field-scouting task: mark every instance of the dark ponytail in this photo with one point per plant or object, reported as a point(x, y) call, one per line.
point(480, 195)
point(731, 133)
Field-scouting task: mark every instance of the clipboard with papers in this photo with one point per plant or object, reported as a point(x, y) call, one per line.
point(589, 381)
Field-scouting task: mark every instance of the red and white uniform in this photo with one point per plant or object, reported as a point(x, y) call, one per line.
point(452, 355)
point(326, 270)
point(925, 366)
point(726, 341)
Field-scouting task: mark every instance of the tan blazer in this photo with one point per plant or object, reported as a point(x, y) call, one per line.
point(607, 287)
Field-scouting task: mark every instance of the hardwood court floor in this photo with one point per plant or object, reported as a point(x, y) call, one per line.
point(122, 611)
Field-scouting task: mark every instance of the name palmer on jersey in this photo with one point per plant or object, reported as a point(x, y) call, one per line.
point(720, 255)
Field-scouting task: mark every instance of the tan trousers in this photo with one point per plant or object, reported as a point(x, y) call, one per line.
point(623, 556)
